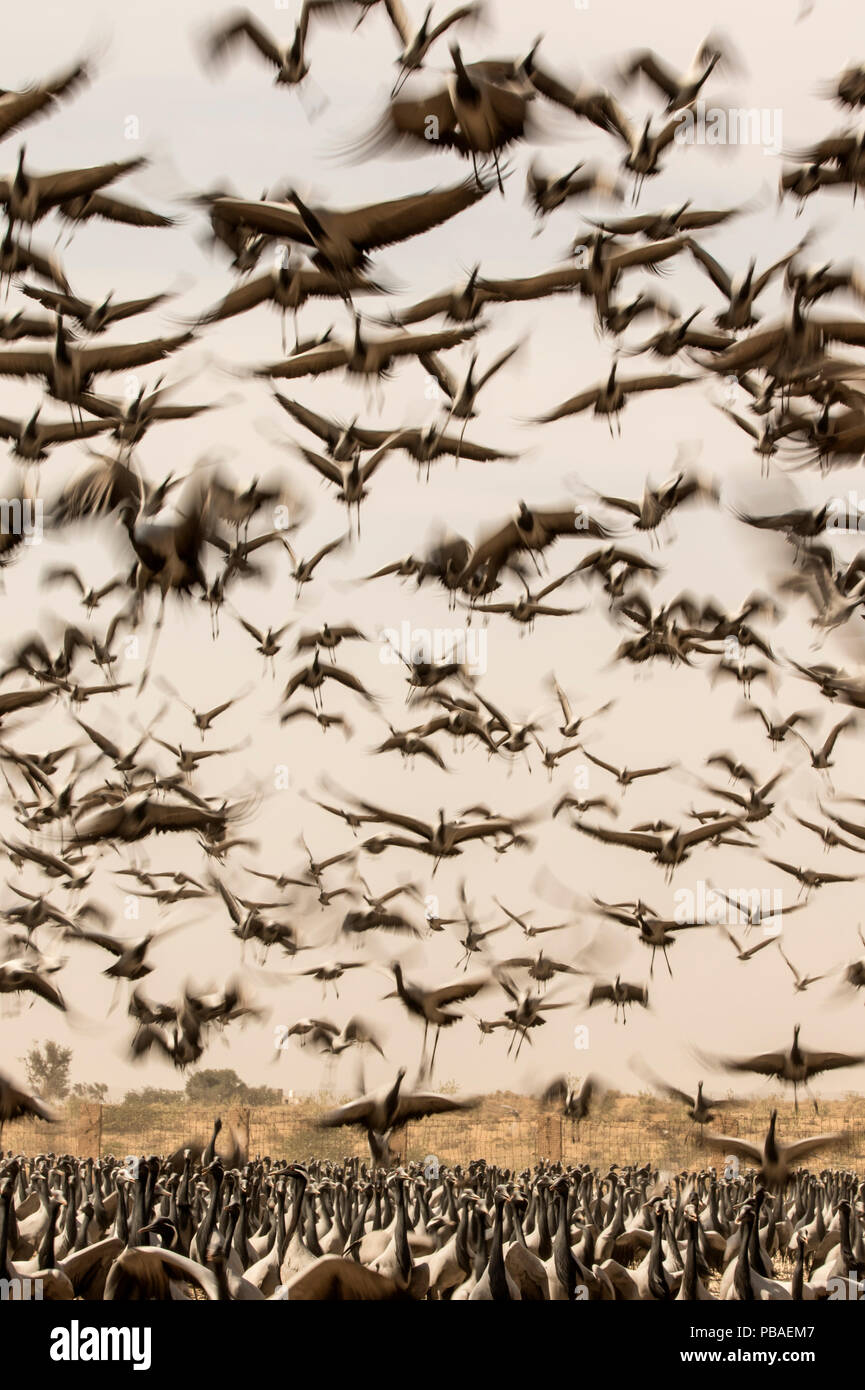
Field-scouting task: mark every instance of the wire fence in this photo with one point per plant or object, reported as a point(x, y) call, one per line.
point(652, 1134)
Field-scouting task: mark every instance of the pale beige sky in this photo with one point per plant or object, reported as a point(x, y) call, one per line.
point(202, 131)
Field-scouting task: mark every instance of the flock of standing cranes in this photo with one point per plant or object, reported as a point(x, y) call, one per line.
point(200, 1225)
point(98, 811)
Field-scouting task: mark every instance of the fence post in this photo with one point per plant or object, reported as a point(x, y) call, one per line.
point(89, 1130)
point(240, 1123)
point(550, 1138)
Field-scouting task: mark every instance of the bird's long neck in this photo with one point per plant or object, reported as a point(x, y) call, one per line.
point(121, 1222)
point(280, 1235)
point(689, 1278)
point(138, 1217)
point(459, 65)
point(209, 1224)
point(310, 1232)
point(755, 1255)
point(46, 1248)
point(497, 1275)
point(359, 1224)
point(461, 1244)
point(400, 1237)
point(565, 1264)
point(742, 1277)
point(657, 1275)
point(844, 1238)
point(770, 1147)
point(392, 1099)
point(298, 1192)
point(5, 1226)
point(672, 1243)
point(81, 1240)
point(516, 1215)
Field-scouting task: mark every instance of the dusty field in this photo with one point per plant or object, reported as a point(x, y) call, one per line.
point(507, 1129)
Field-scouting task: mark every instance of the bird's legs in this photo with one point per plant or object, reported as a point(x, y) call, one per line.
point(157, 628)
point(435, 1045)
point(498, 172)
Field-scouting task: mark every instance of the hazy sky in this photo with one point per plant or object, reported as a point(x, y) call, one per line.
point(202, 131)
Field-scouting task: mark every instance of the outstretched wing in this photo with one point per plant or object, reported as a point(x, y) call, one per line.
point(733, 1145)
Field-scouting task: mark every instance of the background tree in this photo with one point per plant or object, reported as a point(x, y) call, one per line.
point(47, 1070)
point(90, 1090)
point(219, 1086)
point(152, 1095)
point(214, 1085)
point(260, 1095)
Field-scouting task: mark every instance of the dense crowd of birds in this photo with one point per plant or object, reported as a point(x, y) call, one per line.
point(202, 1223)
point(203, 537)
